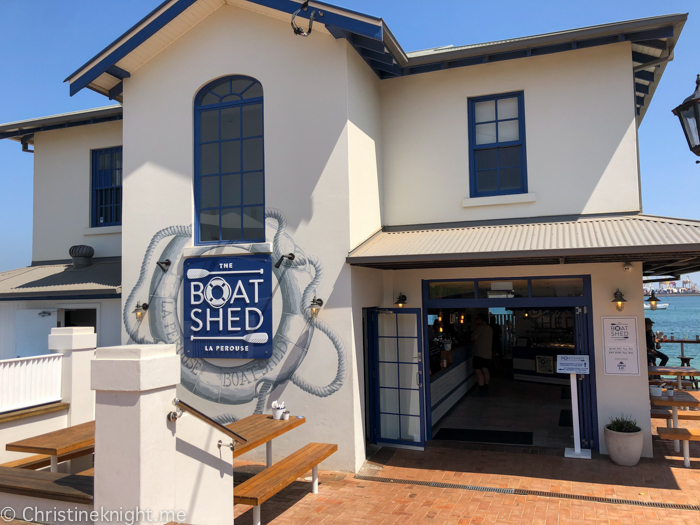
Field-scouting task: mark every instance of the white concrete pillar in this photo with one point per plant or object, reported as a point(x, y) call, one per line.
point(135, 444)
point(77, 344)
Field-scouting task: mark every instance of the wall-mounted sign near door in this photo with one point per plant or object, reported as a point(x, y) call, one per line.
point(228, 307)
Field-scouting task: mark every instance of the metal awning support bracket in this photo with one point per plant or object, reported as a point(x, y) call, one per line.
point(298, 30)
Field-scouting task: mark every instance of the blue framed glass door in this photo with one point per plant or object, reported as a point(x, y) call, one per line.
point(588, 413)
point(397, 371)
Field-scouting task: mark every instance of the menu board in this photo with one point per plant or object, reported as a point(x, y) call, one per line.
point(620, 346)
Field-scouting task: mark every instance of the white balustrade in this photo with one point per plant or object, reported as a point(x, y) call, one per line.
point(30, 381)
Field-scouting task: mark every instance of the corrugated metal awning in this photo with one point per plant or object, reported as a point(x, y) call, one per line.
point(673, 242)
point(102, 278)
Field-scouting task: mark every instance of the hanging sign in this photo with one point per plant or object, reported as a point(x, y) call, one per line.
point(620, 346)
point(572, 364)
point(228, 307)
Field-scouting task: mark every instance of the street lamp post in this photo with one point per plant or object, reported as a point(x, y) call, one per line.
point(689, 115)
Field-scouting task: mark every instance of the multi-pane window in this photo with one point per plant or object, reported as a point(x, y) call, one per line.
point(497, 145)
point(229, 161)
point(106, 187)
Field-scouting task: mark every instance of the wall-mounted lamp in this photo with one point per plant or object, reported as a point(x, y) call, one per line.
point(461, 319)
point(315, 306)
point(289, 256)
point(440, 317)
point(619, 300)
point(164, 265)
point(140, 311)
point(44, 314)
point(653, 301)
point(526, 315)
point(400, 300)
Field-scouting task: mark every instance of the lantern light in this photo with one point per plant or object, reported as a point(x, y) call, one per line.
point(689, 115)
point(400, 300)
point(315, 306)
point(140, 310)
point(653, 301)
point(619, 300)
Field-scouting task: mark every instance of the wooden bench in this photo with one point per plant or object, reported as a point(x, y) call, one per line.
point(43, 460)
point(686, 435)
point(270, 481)
point(47, 485)
point(688, 415)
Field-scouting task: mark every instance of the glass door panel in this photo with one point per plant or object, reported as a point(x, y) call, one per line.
point(399, 377)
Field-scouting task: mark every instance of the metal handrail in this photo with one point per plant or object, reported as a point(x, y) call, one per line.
point(184, 407)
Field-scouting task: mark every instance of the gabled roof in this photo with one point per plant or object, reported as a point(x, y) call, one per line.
point(653, 40)
point(667, 246)
point(26, 128)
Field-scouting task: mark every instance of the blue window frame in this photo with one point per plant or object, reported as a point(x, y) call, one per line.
point(497, 163)
point(229, 185)
point(106, 187)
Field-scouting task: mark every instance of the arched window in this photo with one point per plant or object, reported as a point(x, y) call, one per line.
point(229, 162)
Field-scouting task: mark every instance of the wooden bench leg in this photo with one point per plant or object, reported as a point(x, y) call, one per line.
point(268, 453)
point(686, 453)
point(256, 515)
point(314, 480)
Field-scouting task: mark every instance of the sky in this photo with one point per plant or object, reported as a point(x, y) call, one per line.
point(46, 40)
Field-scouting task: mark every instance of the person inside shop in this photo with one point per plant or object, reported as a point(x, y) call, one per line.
point(482, 349)
point(653, 346)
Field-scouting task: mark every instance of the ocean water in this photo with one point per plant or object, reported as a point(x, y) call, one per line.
point(682, 320)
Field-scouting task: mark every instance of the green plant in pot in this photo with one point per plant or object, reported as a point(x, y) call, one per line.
point(624, 440)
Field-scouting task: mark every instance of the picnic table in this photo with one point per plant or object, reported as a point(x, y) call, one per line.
point(679, 399)
point(678, 371)
point(682, 342)
point(256, 429)
point(57, 443)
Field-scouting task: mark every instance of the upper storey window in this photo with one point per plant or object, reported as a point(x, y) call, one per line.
point(106, 187)
point(497, 145)
point(229, 162)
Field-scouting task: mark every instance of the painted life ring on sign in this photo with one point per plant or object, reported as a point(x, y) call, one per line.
point(254, 379)
point(217, 282)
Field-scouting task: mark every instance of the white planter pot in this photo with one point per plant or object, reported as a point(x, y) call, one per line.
point(624, 448)
point(277, 413)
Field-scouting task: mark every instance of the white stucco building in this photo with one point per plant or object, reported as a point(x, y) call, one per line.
point(498, 178)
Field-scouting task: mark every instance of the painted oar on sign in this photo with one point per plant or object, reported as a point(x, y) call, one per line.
point(573, 365)
point(199, 273)
point(248, 338)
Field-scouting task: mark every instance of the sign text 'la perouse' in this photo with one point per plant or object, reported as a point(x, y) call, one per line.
point(228, 307)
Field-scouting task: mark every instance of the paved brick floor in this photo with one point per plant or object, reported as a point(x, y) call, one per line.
point(343, 498)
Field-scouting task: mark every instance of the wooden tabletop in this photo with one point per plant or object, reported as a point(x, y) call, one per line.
point(261, 428)
point(662, 341)
point(58, 442)
point(680, 399)
point(673, 371)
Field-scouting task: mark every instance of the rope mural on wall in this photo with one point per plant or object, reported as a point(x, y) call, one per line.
point(255, 379)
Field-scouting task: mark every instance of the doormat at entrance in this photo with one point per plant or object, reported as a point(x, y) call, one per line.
point(500, 437)
point(566, 418)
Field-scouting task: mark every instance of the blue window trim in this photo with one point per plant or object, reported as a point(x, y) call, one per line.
point(198, 109)
point(473, 192)
point(98, 188)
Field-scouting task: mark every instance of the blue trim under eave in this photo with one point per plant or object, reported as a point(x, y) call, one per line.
point(139, 38)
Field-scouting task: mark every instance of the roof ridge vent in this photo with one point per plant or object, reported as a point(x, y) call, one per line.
point(81, 255)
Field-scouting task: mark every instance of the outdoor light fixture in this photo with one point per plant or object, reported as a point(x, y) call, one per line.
point(689, 115)
point(400, 300)
point(461, 319)
point(440, 317)
point(164, 265)
point(289, 256)
point(619, 300)
point(140, 311)
point(316, 305)
point(653, 301)
point(526, 315)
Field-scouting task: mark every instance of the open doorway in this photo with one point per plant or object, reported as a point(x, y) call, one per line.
point(513, 394)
